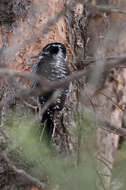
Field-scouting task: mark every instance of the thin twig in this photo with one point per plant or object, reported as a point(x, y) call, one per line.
point(110, 60)
point(104, 162)
point(21, 172)
point(106, 9)
point(30, 105)
point(49, 102)
point(112, 128)
point(114, 103)
point(45, 85)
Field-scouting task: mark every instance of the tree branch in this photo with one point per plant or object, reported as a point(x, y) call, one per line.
point(113, 129)
point(21, 172)
point(107, 9)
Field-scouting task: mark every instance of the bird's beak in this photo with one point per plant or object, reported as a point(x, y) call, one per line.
point(40, 55)
point(37, 56)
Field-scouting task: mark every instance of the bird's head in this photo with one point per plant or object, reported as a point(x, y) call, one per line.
point(55, 49)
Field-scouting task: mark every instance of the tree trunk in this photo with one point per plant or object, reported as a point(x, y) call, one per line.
point(86, 32)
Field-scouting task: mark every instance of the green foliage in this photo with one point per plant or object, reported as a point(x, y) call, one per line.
point(119, 170)
point(29, 149)
point(86, 128)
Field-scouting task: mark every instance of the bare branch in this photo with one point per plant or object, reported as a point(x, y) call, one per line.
point(113, 129)
point(21, 172)
point(109, 98)
point(45, 85)
point(111, 61)
point(48, 103)
point(106, 9)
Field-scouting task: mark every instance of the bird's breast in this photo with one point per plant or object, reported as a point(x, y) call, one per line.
point(54, 69)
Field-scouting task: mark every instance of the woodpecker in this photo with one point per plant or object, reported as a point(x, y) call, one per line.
point(52, 66)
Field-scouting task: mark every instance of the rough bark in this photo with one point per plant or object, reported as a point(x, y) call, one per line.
point(81, 30)
point(23, 34)
point(110, 97)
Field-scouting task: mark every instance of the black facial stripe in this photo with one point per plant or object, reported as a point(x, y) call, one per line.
point(53, 48)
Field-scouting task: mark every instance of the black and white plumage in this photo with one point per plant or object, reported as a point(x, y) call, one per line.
point(52, 66)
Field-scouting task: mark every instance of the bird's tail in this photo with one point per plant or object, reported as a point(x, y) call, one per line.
point(48, 126)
